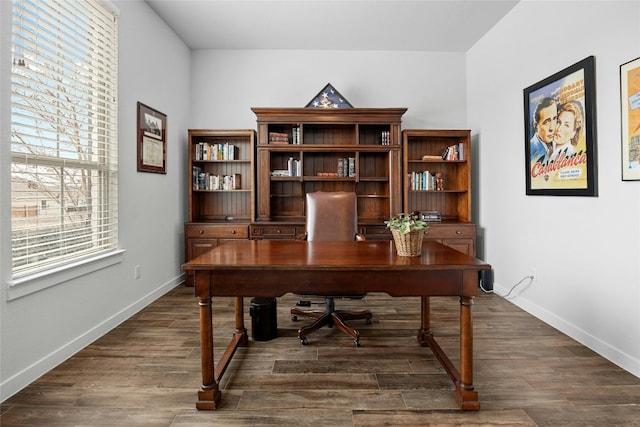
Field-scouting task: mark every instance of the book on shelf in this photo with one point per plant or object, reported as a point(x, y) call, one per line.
point(196, 177)
point(294, 167)
point(453, 152)
point(278, 138)
point(426, 181)
point(208, 181)
point(347, 167)
point(216, 151)
point(431, 216)
point(385, 137)
point(295, 135)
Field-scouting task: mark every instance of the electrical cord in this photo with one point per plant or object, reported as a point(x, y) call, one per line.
point(510, 290)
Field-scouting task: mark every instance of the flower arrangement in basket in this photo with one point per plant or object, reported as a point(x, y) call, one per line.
point(408, 231)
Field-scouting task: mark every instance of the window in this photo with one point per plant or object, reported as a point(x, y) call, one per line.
point(64, 165)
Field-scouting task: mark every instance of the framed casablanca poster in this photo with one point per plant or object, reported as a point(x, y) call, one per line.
point(560, 133)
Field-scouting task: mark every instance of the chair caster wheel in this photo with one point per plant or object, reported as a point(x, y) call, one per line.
point(357, 342)
point(368, 321)
point(294, 318)
point(304, 341)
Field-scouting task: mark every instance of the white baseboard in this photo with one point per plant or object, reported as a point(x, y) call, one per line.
point(604, 349)
point(17, 382)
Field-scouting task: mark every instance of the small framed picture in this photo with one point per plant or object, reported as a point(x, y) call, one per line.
point(152, 140)
point(560, 133)
point(630, 119)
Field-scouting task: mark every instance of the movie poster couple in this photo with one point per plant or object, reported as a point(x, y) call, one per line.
point(557, 140)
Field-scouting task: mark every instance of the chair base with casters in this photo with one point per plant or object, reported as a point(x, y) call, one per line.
point(330, 317)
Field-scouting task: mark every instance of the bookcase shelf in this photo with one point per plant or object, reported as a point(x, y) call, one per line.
point(453, 201)
point(216, 214)
point(352, 149)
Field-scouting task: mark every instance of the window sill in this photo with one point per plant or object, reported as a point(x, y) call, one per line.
point(27, 285)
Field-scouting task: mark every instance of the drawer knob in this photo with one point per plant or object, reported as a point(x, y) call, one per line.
point(201, 231)
point(278, 231)
point(458, 232)
point(233, 231)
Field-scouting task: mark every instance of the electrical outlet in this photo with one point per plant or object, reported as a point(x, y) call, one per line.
point(137, 272)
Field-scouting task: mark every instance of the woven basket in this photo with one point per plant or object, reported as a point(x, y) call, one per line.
point(409, 244)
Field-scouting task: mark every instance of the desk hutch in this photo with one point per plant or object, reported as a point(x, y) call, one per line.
point(301, 150)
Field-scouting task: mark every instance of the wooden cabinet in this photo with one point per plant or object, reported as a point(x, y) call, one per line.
point(232, 195)
point(201, 237)
point(434, 183)
point(302, 150)
point(461, 236)
point(221, 194)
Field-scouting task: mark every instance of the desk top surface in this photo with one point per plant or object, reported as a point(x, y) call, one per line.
point(365, 255)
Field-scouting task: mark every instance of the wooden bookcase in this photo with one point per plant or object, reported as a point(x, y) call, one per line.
point(221, 189)
point(422, 156)
point(302, 150)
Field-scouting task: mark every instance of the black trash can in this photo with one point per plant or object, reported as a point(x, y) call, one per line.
point(264, 318)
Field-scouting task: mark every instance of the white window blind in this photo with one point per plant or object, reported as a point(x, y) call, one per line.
point(64, 131)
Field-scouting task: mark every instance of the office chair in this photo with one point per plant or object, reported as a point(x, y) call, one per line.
point(331, 216)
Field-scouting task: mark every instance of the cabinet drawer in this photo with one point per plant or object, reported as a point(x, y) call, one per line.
point(273, 231)
point(204, 231)
point(376, 232)
point(448, 231)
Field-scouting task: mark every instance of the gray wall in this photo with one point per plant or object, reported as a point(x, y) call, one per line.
point(586, 250)
point(431, 85)
point(41, 329)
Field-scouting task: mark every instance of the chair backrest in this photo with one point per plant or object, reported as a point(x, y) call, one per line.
point(332, 216)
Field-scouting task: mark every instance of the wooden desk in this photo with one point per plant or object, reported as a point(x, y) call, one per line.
point(265, 268)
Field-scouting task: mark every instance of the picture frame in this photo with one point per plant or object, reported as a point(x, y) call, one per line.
point(630, 119)
point(152, 140)
point(560, 133)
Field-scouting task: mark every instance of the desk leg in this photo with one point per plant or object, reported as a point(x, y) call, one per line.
point(425, 328)
point(464, 393)
point(209, 395)
point(240, 329)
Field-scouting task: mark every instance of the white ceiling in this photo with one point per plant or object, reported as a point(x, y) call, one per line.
point(409, 25)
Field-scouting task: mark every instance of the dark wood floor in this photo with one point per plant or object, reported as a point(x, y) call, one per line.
point(146, 373)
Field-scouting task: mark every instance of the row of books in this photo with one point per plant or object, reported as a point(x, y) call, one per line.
point(208, 181)
point(295, 135)
point(385, 137)
point(283, 137)
point(426, 181)
point(294, 168)
point(218, 151)
point(347, 167)
point(453, 152)
point(278, 138)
